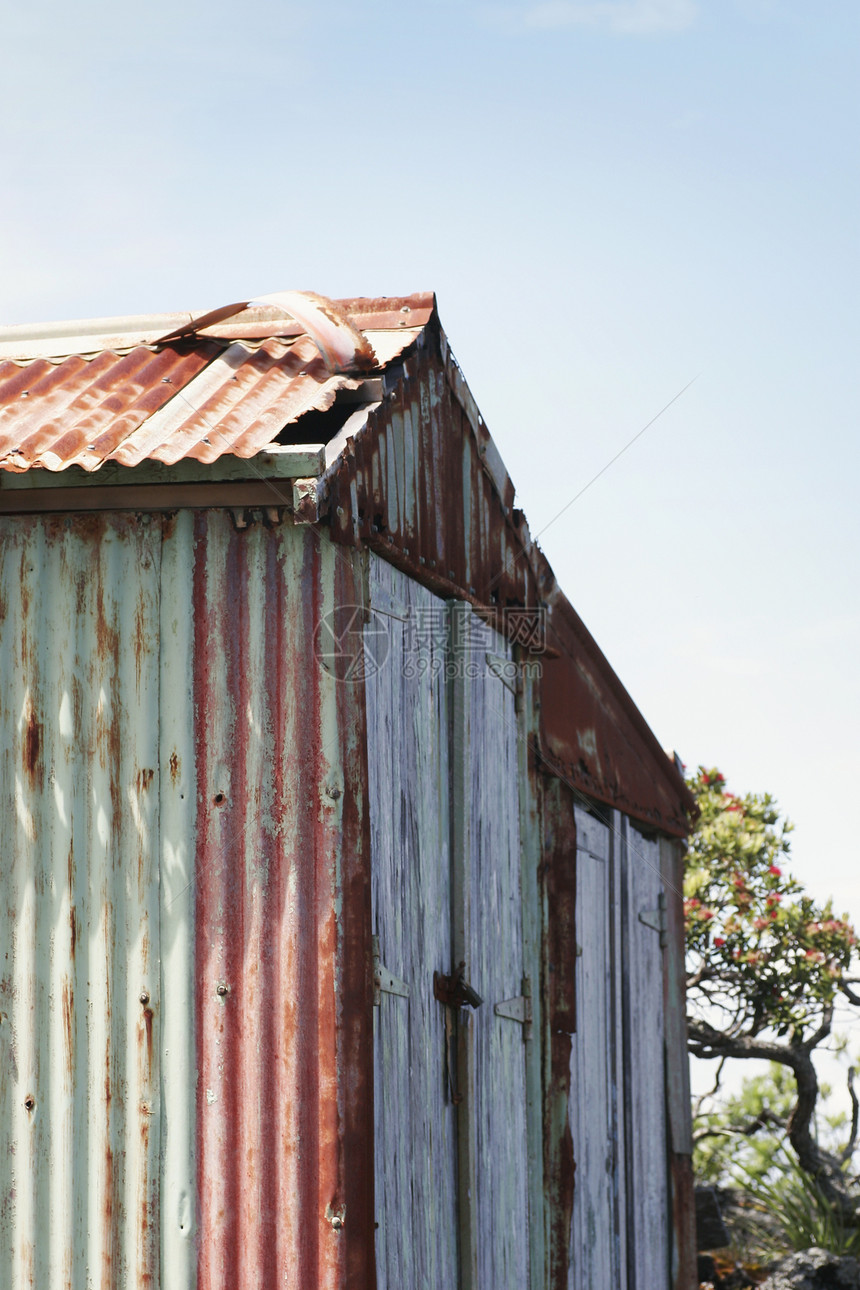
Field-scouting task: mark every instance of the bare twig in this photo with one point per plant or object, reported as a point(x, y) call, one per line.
point(855, 1114)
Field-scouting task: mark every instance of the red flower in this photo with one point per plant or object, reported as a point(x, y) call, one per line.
point(719, 942)
point(759, 924)
point(774, 898)
point(775, 870)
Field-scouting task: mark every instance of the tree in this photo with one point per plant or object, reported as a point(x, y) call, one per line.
point(765, 963)
point(739, 1145)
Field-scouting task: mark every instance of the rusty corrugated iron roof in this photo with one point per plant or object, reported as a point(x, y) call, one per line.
point(172, 387)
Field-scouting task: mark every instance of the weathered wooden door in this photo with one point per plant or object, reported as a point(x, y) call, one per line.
point(621, 1224)
point(597, 1256)
point(647, 1200)
point(494, 957)
point(450, 1107)
point(408, 769)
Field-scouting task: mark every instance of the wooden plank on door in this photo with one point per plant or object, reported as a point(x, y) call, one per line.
point(593, 1113)
point(496, 961)
point(646, 1129)
point(408, 769)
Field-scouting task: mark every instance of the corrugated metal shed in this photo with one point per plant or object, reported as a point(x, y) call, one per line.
point(289, 687)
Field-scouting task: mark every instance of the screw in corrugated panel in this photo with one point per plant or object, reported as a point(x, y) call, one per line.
point(222, 989)
point(144, 997)
point(337, 1217)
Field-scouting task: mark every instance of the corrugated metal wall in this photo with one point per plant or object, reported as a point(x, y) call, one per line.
point(182, 825)
point(81, 1114)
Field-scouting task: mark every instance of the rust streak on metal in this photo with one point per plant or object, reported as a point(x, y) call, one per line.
point(559, 1164)
point(683, 1223)
point(33, 763)
point(108, 1277)
point(69, 1027)
point(558, 875)
point(355, 1025)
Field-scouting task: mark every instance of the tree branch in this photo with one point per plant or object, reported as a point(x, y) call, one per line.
point(848, 1151)
point(708, 1042)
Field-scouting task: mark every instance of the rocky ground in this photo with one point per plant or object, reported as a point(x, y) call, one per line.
point(808, 1270)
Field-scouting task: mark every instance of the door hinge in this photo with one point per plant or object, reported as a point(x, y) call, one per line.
point(656, 919)
point(518, 1009)
point(385, 982)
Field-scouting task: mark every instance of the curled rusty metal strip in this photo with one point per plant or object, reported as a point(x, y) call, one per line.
point(342, 346)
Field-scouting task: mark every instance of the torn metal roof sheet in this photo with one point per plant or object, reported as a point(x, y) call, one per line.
point(175, 387)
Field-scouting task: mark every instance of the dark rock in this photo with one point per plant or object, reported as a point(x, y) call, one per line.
point(711, 1231)
point(814, 1270)
point(706, 1268)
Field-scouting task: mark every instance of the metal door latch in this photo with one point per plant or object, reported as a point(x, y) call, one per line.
point(455, 989)
point(385, 982)
point(656, 919)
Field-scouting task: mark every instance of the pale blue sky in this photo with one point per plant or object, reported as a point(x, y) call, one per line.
point(609, 199)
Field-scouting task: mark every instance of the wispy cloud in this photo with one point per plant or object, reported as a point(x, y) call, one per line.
point(623, 17)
